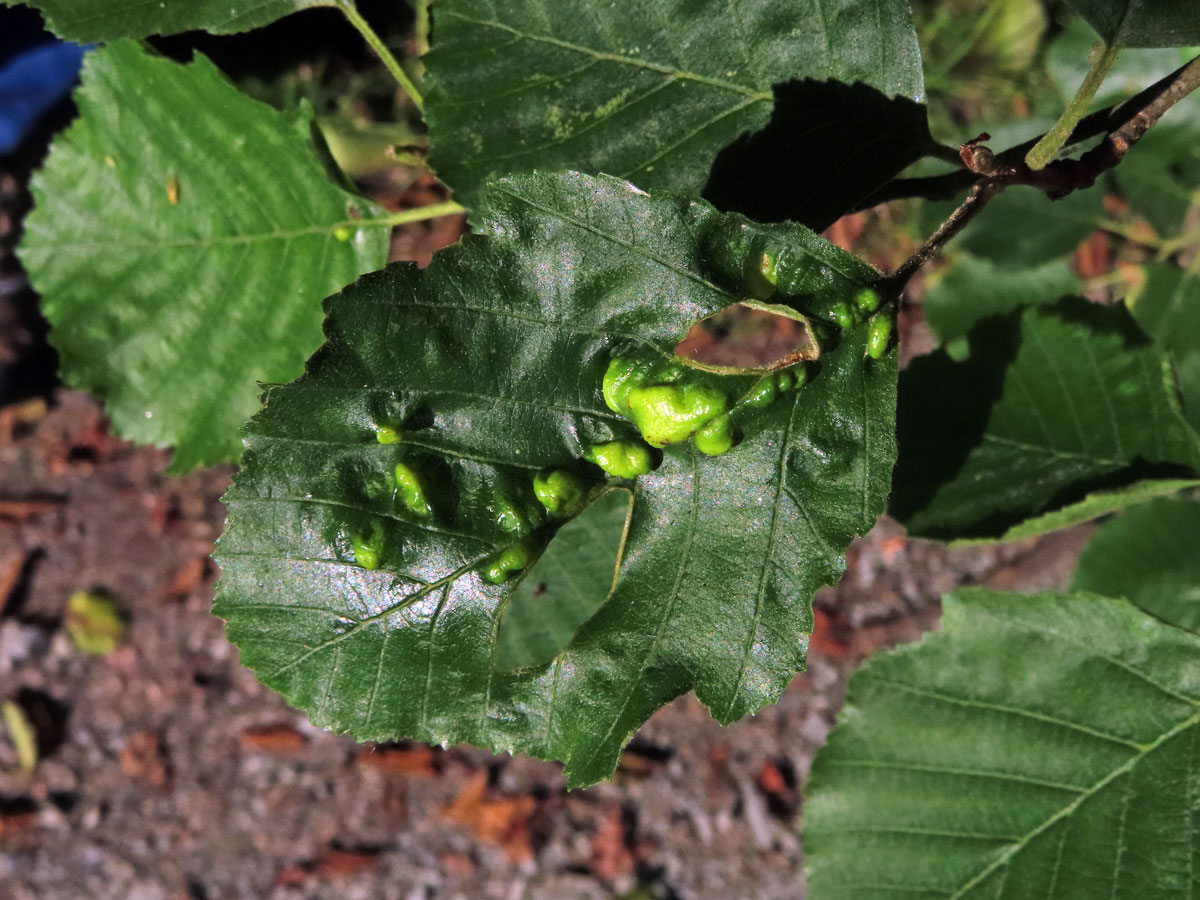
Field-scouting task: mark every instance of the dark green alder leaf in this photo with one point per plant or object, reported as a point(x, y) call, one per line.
point(649, 94)
point(1167, 306)
point(828, 147)
point(182, 240)
point(1054, 404)
point(106, 20)
point(1142, 23)
point(1149, 554)
point(487, 369)
point(1037, 747)
point(970, 289)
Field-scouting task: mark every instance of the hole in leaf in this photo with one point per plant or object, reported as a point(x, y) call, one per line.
point(750, 336)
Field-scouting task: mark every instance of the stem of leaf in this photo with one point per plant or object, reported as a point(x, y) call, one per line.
point(1102, 57)
point(408, 216)
point(385, 55)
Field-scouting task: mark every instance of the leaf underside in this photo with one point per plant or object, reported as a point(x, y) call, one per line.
point(490, 362)
point(1056, 403)
point(571, 84)
point(1064, 767)
point(175, 268)
point(1148, 555)
point(105, 20)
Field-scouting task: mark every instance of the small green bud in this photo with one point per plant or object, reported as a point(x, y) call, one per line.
point(716, 437)
point(866, 301)
point(410, 492)
point(386, 434)
point(510, 559)
point(879, 335)
point(786, 380)
point(343, 233)
point(621, 459)
point(763, 393)
point(561, 492)
point(368, 548)
point(667, 414)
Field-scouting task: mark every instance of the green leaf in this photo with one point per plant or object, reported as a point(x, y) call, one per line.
point(1063, 766)
point(1002, 232)
point(1167, 306)
point(1054, 403)
point(1142, 23)
point(1092, 506)
point(1148, 555)
point(830, 127)
point(181, 258)
point(487, 368)
point(566, 587)
point(105, 20)
point(540, 85)
point(970, 289)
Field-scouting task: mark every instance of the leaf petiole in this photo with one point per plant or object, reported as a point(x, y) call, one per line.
point(385, 55)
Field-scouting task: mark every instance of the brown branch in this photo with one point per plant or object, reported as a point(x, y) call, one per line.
point(1153, 101)
point(1122, 125)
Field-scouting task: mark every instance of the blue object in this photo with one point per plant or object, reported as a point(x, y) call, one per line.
point(31, 83)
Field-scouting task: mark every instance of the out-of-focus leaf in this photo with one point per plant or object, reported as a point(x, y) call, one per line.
point(1054, 403)
point(106, 20)
point(970, 289)
point(1167, 306)
point(1142, 23)
point(1149, 554)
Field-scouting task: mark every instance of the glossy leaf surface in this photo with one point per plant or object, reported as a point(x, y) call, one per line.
point(650, 95)
point(1054, 403)
point(1063, 767)
point(488, 366)
point(175, 268)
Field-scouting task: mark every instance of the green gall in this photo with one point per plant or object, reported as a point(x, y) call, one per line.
point(840, 313)
point(509, 518)
point(786, 380)
point(511, 559)
point(561, 492)
point(368, 548)
point(386, 434)
point(667, 414)
point(94, 623)
point(879, 336)
point(343, 233)
point(866, 301)
point(621, 459)
point(716, 437)
point(409, 490)
point(620, 378)
point(763, 393)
